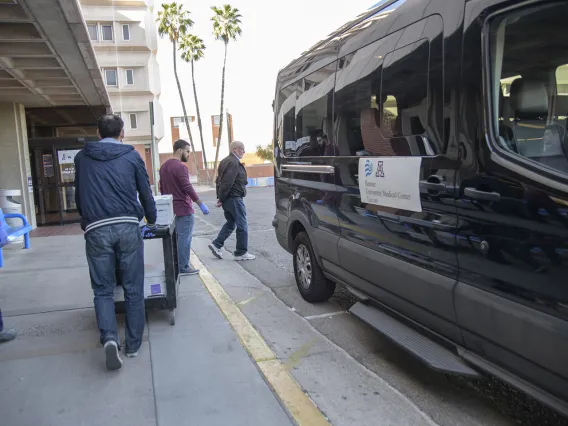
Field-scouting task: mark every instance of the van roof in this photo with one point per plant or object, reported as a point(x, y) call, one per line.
point(388, 15)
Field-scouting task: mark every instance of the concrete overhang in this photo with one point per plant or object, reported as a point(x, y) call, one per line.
point(47, 63)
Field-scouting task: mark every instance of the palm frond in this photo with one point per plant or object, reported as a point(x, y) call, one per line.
point(226, 23)
point(192, 48)
point(173, 21)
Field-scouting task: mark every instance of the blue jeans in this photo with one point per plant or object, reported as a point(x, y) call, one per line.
point(116, 253)
point(184, 229)
point(236, 216)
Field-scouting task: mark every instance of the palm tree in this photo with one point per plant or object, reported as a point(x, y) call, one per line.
point(192, 50)
point(226, 27)
point(174, 23)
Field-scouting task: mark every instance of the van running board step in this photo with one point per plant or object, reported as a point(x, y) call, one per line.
point(430, 353)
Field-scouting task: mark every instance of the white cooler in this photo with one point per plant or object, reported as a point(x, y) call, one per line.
point(165, 207)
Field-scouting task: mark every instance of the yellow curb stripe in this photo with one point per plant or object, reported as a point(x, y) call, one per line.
point(302, 409)
point(300, 406)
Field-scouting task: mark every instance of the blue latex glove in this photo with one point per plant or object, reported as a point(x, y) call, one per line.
point(204, 208)
point(149, 231)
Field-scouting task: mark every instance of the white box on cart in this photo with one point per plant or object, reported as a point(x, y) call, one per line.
point(165, 208)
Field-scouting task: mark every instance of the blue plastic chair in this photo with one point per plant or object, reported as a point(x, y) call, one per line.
point(13, 232)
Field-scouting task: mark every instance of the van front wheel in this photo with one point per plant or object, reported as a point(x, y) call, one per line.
point(313, 285)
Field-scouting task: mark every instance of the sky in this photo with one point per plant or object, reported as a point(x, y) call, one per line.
point(272, 37)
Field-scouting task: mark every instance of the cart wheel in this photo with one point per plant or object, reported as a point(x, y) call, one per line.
point(172, 316)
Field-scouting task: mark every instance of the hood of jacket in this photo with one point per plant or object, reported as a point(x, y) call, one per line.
point(105, 151)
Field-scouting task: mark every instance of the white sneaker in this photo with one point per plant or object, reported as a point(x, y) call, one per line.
point(113, 360)
point(132, 354)
point(216, 252)
point(246, 256)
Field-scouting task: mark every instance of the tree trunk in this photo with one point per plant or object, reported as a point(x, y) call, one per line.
point(199, 123)
point(195, 163)
point(221, 114)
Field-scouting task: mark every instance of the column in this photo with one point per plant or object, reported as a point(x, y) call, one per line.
point(15, 169)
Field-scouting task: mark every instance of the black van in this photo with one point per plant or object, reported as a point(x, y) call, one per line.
point(421, 160)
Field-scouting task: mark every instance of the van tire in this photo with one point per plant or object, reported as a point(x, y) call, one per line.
point(312, 284)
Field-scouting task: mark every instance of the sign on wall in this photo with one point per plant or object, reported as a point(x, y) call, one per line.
point(67, 156)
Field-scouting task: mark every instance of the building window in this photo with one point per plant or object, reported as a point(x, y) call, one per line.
point(130, 77)
point(93, 32)
point(216, 120)
point(176, 121)
point(106, 30)
point(126, 32)
point(110, 77)
point(133, 121)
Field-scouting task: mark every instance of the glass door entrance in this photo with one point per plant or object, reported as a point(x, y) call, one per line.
point(54, 177)
point(65, 160)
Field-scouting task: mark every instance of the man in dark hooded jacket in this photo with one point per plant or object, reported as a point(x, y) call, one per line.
point(112, 193)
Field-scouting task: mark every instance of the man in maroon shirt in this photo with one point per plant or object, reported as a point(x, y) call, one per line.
point(174, 180)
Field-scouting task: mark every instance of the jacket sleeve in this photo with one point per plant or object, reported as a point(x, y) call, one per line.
point(182, 177)
point(77, 187)
point(226, 180)
point(144, 191)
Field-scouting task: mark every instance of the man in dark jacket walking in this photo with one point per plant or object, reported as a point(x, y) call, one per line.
point(231, 189)
point(109, 179)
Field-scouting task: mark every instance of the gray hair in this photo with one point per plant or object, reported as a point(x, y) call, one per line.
point(236, 145)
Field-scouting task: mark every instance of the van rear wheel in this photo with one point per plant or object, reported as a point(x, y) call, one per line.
point(312, 284)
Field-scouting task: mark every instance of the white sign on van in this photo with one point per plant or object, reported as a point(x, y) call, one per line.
point(391, 182)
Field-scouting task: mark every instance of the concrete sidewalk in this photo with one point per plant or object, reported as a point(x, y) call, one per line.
point(194, 373)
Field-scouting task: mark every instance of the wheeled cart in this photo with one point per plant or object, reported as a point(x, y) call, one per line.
point(161, 282)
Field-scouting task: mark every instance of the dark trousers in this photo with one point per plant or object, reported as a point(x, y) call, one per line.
point(236, 217)
point(117, 252)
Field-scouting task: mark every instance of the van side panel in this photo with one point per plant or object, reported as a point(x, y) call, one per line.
point(512, 297)
point(407, 255)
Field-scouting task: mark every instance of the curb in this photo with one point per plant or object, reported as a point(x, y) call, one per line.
point(298, 404)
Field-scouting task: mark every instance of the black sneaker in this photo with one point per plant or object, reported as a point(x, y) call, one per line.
point(190, 271)
point(7, 335)
point(113, 360)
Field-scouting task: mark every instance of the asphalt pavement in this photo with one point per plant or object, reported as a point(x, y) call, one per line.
point(441, 399)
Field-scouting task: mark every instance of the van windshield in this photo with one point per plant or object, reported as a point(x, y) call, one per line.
point(530, 83)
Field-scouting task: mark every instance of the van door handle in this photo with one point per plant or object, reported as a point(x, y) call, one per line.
point(426, 186)
point(476, 194)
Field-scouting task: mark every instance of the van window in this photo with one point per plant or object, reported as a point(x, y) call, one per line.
point(314, 114)
point(305, 115)
point(530, 85)
point(381, 100)
point(561, 104)
point(286, 119)
point(404, 89)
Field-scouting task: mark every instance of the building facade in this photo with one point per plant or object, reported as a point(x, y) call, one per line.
point(52, 94)
point(210, 126)
point(124, 37)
